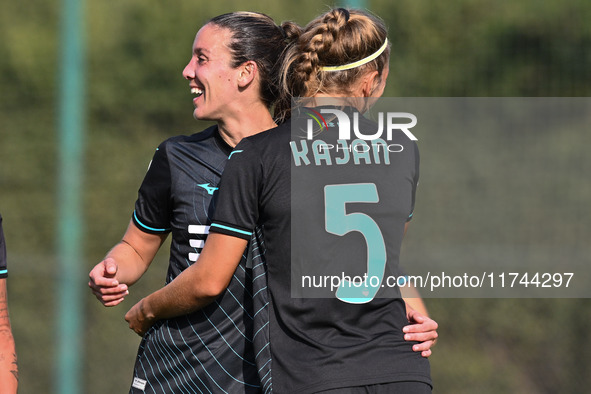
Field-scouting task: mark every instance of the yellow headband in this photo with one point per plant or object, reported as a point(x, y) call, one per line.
point(359, 62)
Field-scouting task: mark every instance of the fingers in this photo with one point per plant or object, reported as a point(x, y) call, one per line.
point(424, 331)
point(110, 297)
point(423, 346)
point(136, 328)
point(110, 267)
point(108, 290)
point(422, 336)
point(103, 274)
point(103, 284)
point(111, 303)
point(416, 317)
point(136, 320)
point(427, 325)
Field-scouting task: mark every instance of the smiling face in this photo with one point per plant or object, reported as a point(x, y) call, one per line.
point(212, 79)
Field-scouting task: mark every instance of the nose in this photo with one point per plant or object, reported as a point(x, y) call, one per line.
point(189, 71)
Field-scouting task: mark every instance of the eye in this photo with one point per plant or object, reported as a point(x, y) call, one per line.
point(201, 59)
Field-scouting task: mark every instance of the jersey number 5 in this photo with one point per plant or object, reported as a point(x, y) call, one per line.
point(339, 222)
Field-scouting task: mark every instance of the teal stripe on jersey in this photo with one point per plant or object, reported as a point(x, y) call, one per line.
point(2, 272)
point(231, 229)
point(236, 151)
point(148, 227)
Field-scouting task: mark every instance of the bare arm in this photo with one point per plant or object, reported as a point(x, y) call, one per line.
point(197, 286)
point(205, 280)
point(124, 265)
point(8, 364)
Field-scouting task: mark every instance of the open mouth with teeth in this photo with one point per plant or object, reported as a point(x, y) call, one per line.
point(196, 91)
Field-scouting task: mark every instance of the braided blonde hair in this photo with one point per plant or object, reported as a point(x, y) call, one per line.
point(335, 38)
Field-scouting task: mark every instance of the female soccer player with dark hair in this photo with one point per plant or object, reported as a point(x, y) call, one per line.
point(233, 76)
point(326, 344)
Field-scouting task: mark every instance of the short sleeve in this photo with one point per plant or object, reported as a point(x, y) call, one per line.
point(153, 213)
point(237, 212)
point(3, 264)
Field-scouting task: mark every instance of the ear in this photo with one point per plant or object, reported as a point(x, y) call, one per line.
point(246, 73)
point(369, 83)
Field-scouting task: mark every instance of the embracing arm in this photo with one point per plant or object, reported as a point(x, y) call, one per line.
point(197, 286)
point(421, 329)
point(124, 265)
point(8, 365)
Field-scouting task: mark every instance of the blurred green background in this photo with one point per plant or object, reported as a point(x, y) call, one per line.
point(136, 97)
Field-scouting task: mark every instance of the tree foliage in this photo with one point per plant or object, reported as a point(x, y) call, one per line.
point(136, 97)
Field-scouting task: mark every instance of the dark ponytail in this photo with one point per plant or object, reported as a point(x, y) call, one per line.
point(256, 37)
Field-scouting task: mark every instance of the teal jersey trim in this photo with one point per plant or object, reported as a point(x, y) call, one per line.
point(231, 229)
point(148, 227)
